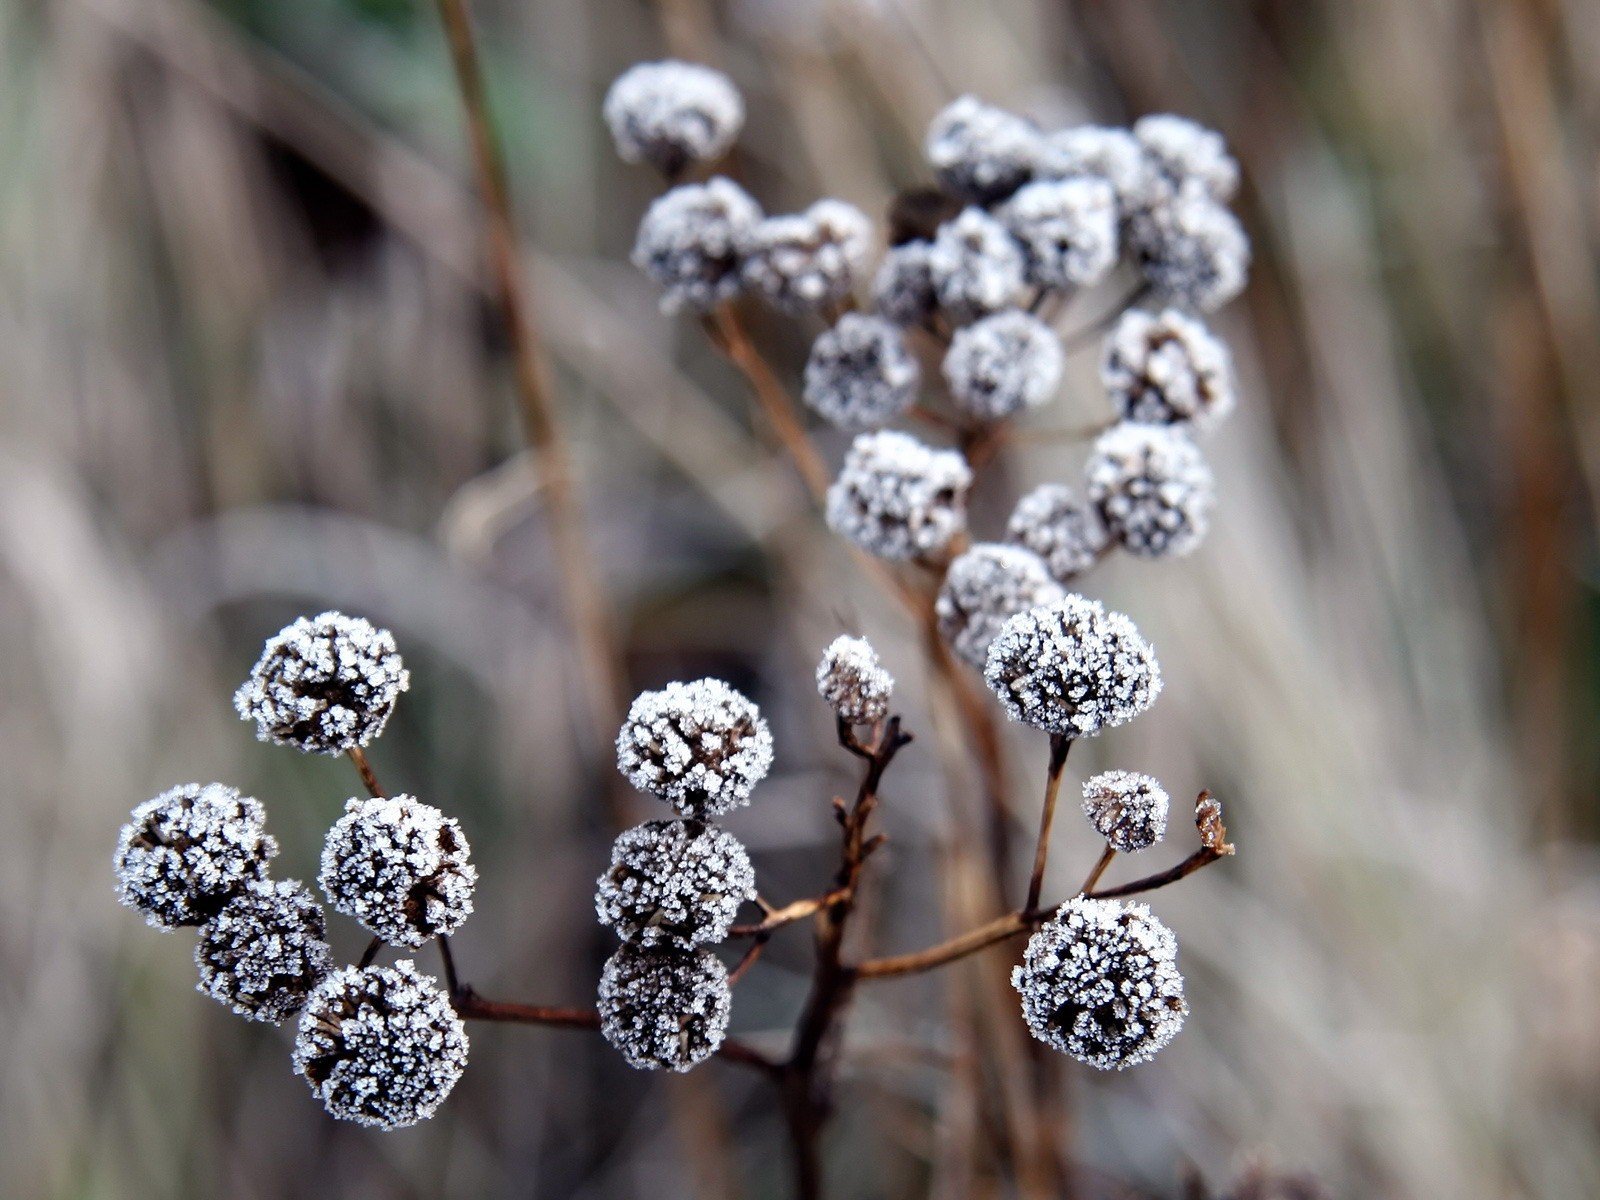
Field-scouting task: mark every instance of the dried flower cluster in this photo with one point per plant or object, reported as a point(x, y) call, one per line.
point(700, 746)
point(853, 682)
point(1126, 808)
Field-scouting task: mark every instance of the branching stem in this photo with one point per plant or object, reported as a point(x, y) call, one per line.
point(1060, 746)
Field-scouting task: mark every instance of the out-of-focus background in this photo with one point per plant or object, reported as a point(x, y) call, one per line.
point(247, 371)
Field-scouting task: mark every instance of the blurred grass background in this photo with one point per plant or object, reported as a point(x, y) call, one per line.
point(247, 371)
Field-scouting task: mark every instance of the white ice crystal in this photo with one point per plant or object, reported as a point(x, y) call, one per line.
point(1003, 363)
point(1191, 250)
point(1167, 368)
point(265, 951)
point(672, 113)
point(324, 684)
point(983, 589)
point(400, 867)
point(701, 746)
point(1061, 528)
point(664, 1008)
point(1179, 151)
point(1067, 229)
point(980, 152)
point(852, 681)
point(674, 883)
point(1100, 982)
point(860, 374)
point(805, 261)
point(1128, 809)
point(1152, 488)
point(903, 288)
point(1072, 668)
point(1100, 151)
point(691, 242)
point(898, 498)
point(380, 1045)
point(182, 855)
point(976, 266)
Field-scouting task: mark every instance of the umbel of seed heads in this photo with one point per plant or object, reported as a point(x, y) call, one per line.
point(379, 1045)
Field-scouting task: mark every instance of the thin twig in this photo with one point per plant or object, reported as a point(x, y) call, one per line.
point(1098, 869)
point(452, 982)
point(364, 768)
point(1060, 746)
point(1200, 858)
point(370, 954)
point(1085, 333)
point(797, 910)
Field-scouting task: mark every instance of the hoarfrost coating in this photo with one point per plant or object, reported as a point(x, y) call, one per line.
point(1002, 364)
point(1126, 808)
point(265, 952)
point(700, 746)
point(691, 242)
point(1103, 152)
point(903, 288)
point(860, 374)
point(674, 882)
point(671, 113)
point(1067, 229)
point(1060, 527)
point(983, 589)
point(664, 1008)
point(976, 266)
point(803, 262)
point(1182, 152)
point(1152, 488)
point(898, 498)
point(852, 681)
point(1100, 982)
point(1191, 250)
point(1167, 368)
point(981, 152)
point(325, 684)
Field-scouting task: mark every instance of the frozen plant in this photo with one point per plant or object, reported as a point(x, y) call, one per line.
point(1152, 488)
point(674, 883)
point(664, 1008)
point(1002, 364)
point(852, 681)
point(1179, 151)
point(671, 113)
point(976, 266)
point(860, 374)
point(903, 288)
point(1191, 249)
point(980, 152)
point(983, 589)
point(1067, 229)
point(806, 261)
point(1099, 152)
point(700, 746)
point(1061, 528)
point(265, 952)
point(1126, 808)
point(898, 498)
point(1167, 368)
point(691, 242)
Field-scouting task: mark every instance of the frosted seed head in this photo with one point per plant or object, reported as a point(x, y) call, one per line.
point(324, 685)
point(1100, 981)
point(1191, 250)
point(674, 883)
point(265, 951)
point(691, 242)
point(1152, 488)
point(983, 589)
point(803, 262)
point(903, 288)
point(670, 114)
point(1167, 368)
point(1179, 152)
point(184, 854)
point(700, 746)
point(980, 152)
point(380, 1045)
point(1061, 528)
point(400, 867)
point(976, 266)
point(1128, 809)
point(860, 374)
point(1002, 364)
point(1067, 229)
point(1072, 668)
point(898, 498)
point(1102, 152)
point(853, 683)
point(663, 1008)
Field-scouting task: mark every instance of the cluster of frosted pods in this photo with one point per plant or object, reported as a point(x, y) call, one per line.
point(380, 1045)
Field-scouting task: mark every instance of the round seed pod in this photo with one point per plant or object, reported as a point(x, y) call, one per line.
point(898, 498)
point(700, 746)
point(1128, 809)
point(671, 113)
point(380, 1046)
point(903, 288)
point(1180, 152)
point(184, 854)
point(1002, 364)
point(860, 374)
point(1167, 368)
point(674, 883)
point(853, 683)
point(691, 242)
point(1061, 528)
point(1067, 229)
point(1191, 250)
point(983, 589)
point(1152, 488)
point(265, 952)
point(324, 685)
point(664, 1008)
point(980, 152)
point(1101, 152)
point(976, 266)
point(806, 261)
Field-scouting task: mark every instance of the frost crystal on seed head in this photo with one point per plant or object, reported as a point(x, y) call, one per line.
point(1072, 668)
point(1067, 229)
point(983, 589)
point(976, 266)
point(1128, 809)
point(380, 1045)
point(265, 951)
point(981, 152)
point(1166, 368)
point(701, 746)
point(898, 498)
point(674, 882)
point(903, 288)
point(1060, 528)
point(182, 855)
point(1191, 250)
point(1151, 487)
point(860, 373)
point(691, 242)
point(1002, 364)
point(802, 262)
point(1099, 151)
point(400, 867)
point(672, 113)
point(324, 685)
point(1178, 151)
point(1100, 982)
point(664, 1008)
point(853, 683)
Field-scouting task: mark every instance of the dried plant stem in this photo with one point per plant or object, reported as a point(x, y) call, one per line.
point(364, 769)
point(583, 596)
point(1200, 858)
point(1098, 870)
point(370, 954)
point(1060, 747)
point(797, 910)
